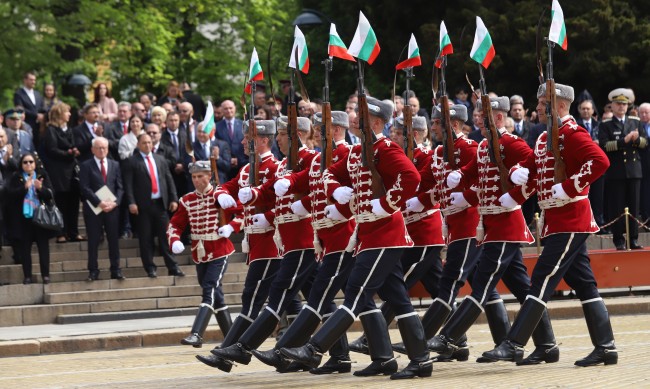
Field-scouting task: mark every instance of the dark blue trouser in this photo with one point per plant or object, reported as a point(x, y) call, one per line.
point(257, 285)
point(210, 275)
point(295, 268)
point(500, 260)
point(333, 272)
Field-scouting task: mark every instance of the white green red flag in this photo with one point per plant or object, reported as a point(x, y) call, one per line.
point(208, 121)
point(364, 44)
point(336, 46)
point(482, 49)
point(558, 28)
point(413, 56)
point(300, 46)
point(445, 44)
point(254, 71)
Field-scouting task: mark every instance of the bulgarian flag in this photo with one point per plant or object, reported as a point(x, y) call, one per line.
point(413, 56)
point(208, 121)
point(299, 45)
point(364, 43)
point(336, 47)
point(254, 72)
point(445, 44)
point(558, 28)
point(482, 49)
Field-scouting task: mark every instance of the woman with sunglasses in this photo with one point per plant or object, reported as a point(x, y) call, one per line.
point(27, 188)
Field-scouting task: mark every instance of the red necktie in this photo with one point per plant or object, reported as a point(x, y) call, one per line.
point(126, 129)
point(103, 169)
point(152, 174)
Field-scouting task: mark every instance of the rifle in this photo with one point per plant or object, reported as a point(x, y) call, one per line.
point(326, 135)
point(214, 180)
point(448, 134)
point(253, 159)
point(494, 147)
point(292, 125)
point(408, 117)
point(368, 138)
point(552, 122)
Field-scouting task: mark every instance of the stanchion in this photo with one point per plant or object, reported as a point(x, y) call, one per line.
point(627, 229)
point(537, 240)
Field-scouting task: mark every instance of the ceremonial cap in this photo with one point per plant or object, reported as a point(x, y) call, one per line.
point(264, 127)
point(381, 109)
point(562, 91)
point(199, 166)
point(458, 112)
point(419, 123)
point(501, 103)
point(621, 95)
point(304, 124)
point(339, 118)
point(13, 114)
point(437, 114)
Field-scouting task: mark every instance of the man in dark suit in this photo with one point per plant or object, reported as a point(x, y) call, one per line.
point(230, 130)
point(30, 100)
point(157, 147)
point(94, 174)
point(175, 139)
point(477, 126)
point(115, 130)
point(622, 137)
point(150, 192)
point(204, 148)
point(22, 140)
point(87, 131)
point(518, 115)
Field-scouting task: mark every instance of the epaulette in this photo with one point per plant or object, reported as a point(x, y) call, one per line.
point(634, 118)
point(606, 120)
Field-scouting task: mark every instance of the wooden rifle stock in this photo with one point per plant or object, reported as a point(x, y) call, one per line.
point(292, 132)
point(253, 158)
point(553, 130)
point(447, 134)
point(408, 131)
point(215, 182)
point(493, 143)
point(326, 137)
point(367, 147)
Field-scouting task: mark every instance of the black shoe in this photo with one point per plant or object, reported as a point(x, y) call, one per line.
point(604, 231)
point(620, 246)
point(152, 274)
point(93, 276)
point(414, 369)
point(214, 361)
point(194, 340)
point(360, 345)
point(336, 364)
point(634, 245)
point(460, 353)
point(598, 356)
point(548, 354)
point(506, 351)
point(293, 367)
point(236, 353)
point(388, 367)
point(399, 348)
point(272, 358)
point(176, 272)
point(306, 355)
point(27, 281)
point(46, 280)
point(117, 276)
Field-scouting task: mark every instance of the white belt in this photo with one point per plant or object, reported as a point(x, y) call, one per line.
point(496, 209)
point(212, 236)
point(325, 223)
point(416, 217)
point(368, 217)
point(452, 210)
point(556, 203)
point(288, 218)
point(257, 230)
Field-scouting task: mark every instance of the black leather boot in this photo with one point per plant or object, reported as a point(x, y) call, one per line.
point(546, 348)
point(339, 361)
point(312, 353)
point(499, 323)
point(602, 336)
point(240, 326)
point(201, 321)
point(360, 345)
point(452, 333)
point(224, 320)
point(254, 336)
point(412, 331)
point(381, 352)
point(432, 320)
point(512, 349)
point(297, 334)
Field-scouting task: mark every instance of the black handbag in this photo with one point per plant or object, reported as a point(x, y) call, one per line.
point(48, 216)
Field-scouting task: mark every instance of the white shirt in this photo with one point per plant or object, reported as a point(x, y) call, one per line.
point(206, 149)
point(155, 169)
point(3, 152)
point(30, 93)
point(91, 128)
point(99, 165)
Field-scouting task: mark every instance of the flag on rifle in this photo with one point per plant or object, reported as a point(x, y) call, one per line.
point(558, 28)
point(364, 44)
point(445, 44)
point(299, 45)
point(208, 121)
point(336, 47)
point(482, 49)
point(254, 71)
point(413, 56)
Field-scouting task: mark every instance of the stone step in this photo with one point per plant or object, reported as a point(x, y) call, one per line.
point(106, 295)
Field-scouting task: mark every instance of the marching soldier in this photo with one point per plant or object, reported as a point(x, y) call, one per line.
point(210, 250)
point(567, 221)
point(501, 231)
point(621, 137)
point(294, 240)
point(258, 239)
point(379, 240)
point(333, 227)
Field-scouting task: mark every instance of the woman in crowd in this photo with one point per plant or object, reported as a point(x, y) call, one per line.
point(106, 103)
point(49, 96)
point(173, 95)
point(129, 141)
point(27, 188)
point(61, 153)
point(159, 117)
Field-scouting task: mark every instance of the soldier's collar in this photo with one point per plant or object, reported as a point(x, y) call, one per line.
point(206, 191)
point(264, 155)
point(340, 142)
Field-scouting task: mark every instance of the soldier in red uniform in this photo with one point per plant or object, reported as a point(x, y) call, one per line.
point(460, 234)
point(421, 262)
point(500, 231)
point(294, 239)
point(333, 227)
point(567, 221)
point(263, 258)
point(210, 250)
point(379, 241)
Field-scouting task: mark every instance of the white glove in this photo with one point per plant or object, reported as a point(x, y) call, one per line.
point(332, 213)
point(559, 193)
point(377, 209)
point(298, 209)
point(245, 194)
point(259, 220)
point(178, 247)
point(453, 179)
point(281, 187)
point(226, 201)
point(226, 231)
point(520, 176)
point(458, 200)
point(414, 205)
point(507, 201)
point(342, 194)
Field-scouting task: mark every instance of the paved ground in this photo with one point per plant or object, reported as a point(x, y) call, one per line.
point(175, 366)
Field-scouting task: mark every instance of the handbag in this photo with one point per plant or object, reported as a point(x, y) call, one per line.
point(48, 216)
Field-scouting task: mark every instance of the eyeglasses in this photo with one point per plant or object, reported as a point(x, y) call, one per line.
point(152, 133)
point(27, 162)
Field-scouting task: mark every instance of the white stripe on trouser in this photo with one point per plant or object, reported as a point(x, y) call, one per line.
point(346, 309)
point(536, 299)
point(497, 301)
point(218, 283)
point(376, 310)
point(472, 299)
point(293, 279)
point(487, 285)
point(207, 305)
point(332, 278)
point(257, 287)
point(315, 311)
point(556, 268)
point(398, 317)
point(460, 274)
point(356, 299)
point(591, 300)
point(273, 312)
point(424, 251)
point(443, 303)
point(221, 309)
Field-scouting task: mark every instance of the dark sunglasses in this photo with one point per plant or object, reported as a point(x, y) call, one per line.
point(27, 162)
